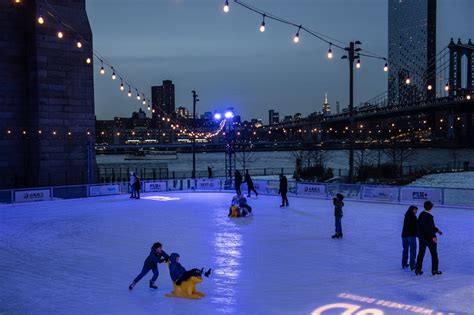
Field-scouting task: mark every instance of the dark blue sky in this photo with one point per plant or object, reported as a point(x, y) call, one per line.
point(230, 63)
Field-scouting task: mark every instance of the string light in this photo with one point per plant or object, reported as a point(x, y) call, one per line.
point(385, 67)
point(129, 91)
point(468, 97)
point(407, 81)
point(330, 51)
point(226, 6)
point(296, 39)
point(138, 96)
point(358, 64)
point(430, 87)
point(121, 86)
point(79, 44)
point(88, 61)
point(60, 34)
point(262, 26)
point(446, 87)
point(102, 70)
point(113, 74)
point(40, 20)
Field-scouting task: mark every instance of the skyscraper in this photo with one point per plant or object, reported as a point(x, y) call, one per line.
point(411, 50)
point(273, 117)
point(326, 105)
point(162, 98)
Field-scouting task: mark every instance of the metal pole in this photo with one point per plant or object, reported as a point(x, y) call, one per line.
point(351, 112)
point(194, 137)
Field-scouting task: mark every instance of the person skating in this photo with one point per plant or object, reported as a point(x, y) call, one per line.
point(338, 204)
point(409, 234)
point(132, 185)
point(179, 274)
point(244, 206)
point(427, 238)
point(238, 182)
point(157, 255)
point(250, 185)
point(209, 172)
point(283, 191)
point(138, 186)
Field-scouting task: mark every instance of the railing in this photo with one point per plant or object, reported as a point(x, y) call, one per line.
point(460, 197)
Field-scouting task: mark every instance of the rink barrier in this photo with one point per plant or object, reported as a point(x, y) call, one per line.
point(459, 197)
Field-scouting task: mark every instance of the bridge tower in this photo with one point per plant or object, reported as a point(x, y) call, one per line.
point(457, 53)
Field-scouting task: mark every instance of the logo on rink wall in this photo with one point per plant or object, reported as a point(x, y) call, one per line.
point(104, 190)
point(304, 189)
point(155, 186)
point(421, 194)
point(208, 184)
point(32, 195)
point(380, 193)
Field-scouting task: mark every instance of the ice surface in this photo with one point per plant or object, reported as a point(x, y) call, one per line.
point(79, 256)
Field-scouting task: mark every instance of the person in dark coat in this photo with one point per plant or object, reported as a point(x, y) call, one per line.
point(338, 204)
point(409, 234)
point(209, 172)
point(283, 191)
point(179, 274)
point(157, 255)
point(427, 238)
point(250, 185)
point(137, 185)
point(238, 182)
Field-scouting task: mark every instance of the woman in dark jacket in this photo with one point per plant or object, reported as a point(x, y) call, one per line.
point(409, 234)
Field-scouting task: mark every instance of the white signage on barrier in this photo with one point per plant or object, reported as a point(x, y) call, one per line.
point(32, 195)
point(421, 194)
point(104, 190)
point(259, 185)
point(311, 189)
point(155, 186)
point(380, 193)
point(208, 184)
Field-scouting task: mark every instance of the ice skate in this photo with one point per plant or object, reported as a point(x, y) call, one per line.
point(153, 285)
point(208, 273)
point(405, 266)
point(437, 273)
point(132, 285)
point(418, 272)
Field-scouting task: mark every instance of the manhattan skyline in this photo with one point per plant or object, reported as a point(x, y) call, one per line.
point(231, 64)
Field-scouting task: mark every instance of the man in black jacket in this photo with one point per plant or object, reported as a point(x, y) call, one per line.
point(283, 191)
point(250, 185)
point(409, 234)
point(238, 182)
point(427, 238)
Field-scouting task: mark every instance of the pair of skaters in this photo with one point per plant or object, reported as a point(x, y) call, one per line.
point(239, 207)
point(177, 272)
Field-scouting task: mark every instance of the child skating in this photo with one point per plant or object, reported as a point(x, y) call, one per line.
point(157, 255)
point(179, 274)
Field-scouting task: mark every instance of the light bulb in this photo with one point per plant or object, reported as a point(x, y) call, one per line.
point(385, 68)
point(408, 81)
point(446, 87)
point(129, 92)
point(430, 87)
point(330, 54)
point(121, 87)
point(114, 76)
point(79, 44)
point(40, 20)
point(468, 97)
point(88, 60)
point(138, 96)
point(60, 34)
point(358, 64)
point(102, 70)
point(226, 6)
point(262, 27)
point(296, 39)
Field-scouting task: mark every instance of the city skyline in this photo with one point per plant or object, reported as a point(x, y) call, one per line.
point(230, 63)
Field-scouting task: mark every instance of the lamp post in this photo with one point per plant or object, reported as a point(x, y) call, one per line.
point(352, 54)
point(195, 100)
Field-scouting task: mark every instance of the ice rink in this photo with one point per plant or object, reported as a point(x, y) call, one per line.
point(79, 256)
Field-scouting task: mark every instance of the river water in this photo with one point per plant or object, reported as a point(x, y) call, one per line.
point(268, 163)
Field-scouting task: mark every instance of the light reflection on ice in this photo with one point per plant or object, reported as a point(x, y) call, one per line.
point(160, 198)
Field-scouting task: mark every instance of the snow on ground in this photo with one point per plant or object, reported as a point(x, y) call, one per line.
point(452, 180)
point(79, 256)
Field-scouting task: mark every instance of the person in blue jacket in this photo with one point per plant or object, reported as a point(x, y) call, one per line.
point(179, 274)
point(157, 255)
point(338, 204)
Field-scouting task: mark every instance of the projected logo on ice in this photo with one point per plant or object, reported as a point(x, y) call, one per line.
point(374, 307)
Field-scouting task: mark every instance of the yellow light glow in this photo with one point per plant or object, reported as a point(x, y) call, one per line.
point(40, 20)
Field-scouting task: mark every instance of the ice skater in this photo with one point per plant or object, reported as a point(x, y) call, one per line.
point(238, 182)
point(137, 186)
point(250, 185)
point(157, 255)
point(283, 191)
point(132, 185)
point(338, 204)
point(179, 274)
point(239, 207)
point(427, 238)
point(409, 234)
point(209, 172)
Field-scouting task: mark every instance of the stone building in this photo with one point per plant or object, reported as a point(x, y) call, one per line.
point(47, 123)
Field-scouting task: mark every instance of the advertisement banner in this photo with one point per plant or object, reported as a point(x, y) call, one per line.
point(208, 184)
point(104, 190)
point(380, 193)
point(33, 195)
point(421, 194)
point(260, 186)
point(155, 186)
point(311, 190)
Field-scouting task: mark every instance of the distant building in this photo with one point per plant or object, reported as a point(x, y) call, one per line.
point(273, 117)
point(411, 50)
point(288, 118)
point(297, 116)
point(183, 113)
point(326, 106)
point(163, 99)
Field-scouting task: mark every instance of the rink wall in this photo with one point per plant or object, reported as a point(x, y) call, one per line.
point(459, 197)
